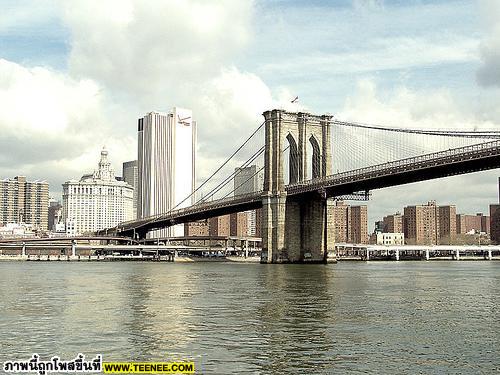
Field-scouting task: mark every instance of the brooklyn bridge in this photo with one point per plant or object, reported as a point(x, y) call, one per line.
point(307, 162)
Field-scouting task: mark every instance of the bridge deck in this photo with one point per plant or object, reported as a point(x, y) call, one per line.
point(482, 156)
point(456, 161)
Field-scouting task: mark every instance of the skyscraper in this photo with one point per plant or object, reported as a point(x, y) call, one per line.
point(246, 180)
point(24, 202)
point(359, 224)
point(166, 165)
point(350, 223)
point(341, 221)
point(421, 224)
point(447, 216)
point(130, 176)
point(495, 223)
point(97, 201)
point(55, 213)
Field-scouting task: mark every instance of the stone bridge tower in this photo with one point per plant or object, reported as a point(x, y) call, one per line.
point(296, 229)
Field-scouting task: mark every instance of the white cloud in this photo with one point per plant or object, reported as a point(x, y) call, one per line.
point(38, 101)
point(52, 126)
point(368, 5)
point(15, 14)
point(39, 105)
point(489, 72)
point(403, 107)
point(231, 107)
point(157, 52)
point(155, 55)
point(380, 55)
point(129, 57)
point(232, 100)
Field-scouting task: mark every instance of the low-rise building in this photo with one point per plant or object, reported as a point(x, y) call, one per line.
point(477, 223)
point(238, 223)
point(393, 223)
point(196, 229)
point(350, 223)
point(16, 230)
point(390, 239)
point(495, 223)
point(220, 226)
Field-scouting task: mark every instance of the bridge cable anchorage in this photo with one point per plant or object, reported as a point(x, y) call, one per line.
point(221, 166)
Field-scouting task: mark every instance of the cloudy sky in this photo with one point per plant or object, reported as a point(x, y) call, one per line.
point(76, 75)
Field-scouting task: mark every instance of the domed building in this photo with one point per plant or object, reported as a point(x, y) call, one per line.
point(97, 201)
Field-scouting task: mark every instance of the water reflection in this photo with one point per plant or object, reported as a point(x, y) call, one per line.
point(136, 314)
point(294, 313)
point(407, 317)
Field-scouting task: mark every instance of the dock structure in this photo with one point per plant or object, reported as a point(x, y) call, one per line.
point(102, 249)
point(344, 251)
point(168, 249)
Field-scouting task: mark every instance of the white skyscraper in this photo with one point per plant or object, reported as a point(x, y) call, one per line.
point(97, 201)
point(166, 164)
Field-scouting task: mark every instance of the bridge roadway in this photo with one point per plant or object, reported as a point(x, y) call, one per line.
point(53, 240)
point(479, 157)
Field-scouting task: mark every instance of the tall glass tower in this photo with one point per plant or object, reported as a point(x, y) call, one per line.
point(166, 165)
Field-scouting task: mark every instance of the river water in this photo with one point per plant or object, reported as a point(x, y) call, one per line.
point(345, 318)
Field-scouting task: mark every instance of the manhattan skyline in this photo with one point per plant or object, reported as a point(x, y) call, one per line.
point(79, 78)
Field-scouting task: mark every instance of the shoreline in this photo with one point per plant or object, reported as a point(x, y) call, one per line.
point(230, 259)
point(114, 258)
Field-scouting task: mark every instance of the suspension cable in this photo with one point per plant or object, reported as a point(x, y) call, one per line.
point(228, 178)
point(243, 183)
point(448, 133)
point(220, 167)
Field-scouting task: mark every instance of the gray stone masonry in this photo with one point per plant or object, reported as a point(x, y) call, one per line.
point(298, 230)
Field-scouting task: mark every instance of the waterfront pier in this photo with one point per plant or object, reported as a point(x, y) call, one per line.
point(116, 249)
point(345, 251)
